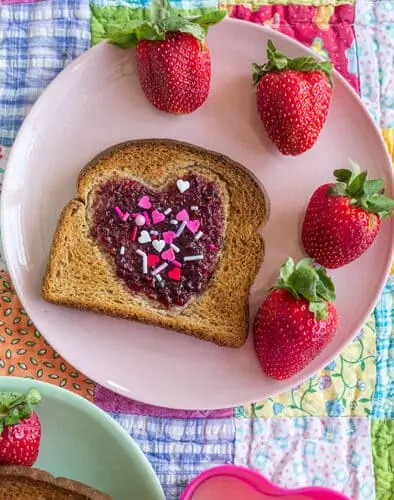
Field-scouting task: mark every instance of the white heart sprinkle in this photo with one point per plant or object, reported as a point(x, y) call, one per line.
point(158, 245)
point(144, 237)
point(182, 185)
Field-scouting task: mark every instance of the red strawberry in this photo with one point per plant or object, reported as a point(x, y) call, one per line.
point(173, 59)
point(296, 320)
point(343, 219)
point(20, 429)
point(293, 97)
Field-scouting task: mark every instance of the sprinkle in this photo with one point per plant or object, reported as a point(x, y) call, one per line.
point(181, 229)
point(126, 215)
point(174, 247)
point(159, 269)
point(157, 217)
point(140, 220)
point(190, 258)
point(154, 232)
point(212, 246)
point(198, 235)
point(168, 255)
point(144, 237)
point(194, 208)
point(167, 211)
point(173, 221)
point(145, 203)
point(134, 233)
point(174, 274)
point(147, 220)
point(158, 245)
point(144, 261)
point(182, 215)
point(193, 225)
point(158, 277)
point(176, 263)
point(182, 185)
point(119, 212)
point(122, 250)
point(153, 260)
point(168, 237)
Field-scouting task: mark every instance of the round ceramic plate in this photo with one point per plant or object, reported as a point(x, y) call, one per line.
point(97, 102)
point(81, 442)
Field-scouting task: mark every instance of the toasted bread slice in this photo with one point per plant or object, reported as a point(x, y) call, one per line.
point(81, 275)
point(26, 483)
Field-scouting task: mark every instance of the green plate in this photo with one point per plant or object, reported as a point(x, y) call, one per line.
point(81, 442)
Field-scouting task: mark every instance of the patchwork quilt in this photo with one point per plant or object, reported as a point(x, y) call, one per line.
point(337, 428)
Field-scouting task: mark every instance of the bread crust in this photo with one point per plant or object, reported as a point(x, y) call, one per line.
point(80, 275)
point(21, 483)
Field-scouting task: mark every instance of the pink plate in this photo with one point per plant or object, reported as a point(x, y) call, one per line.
point(238, 483)
point(97, 102)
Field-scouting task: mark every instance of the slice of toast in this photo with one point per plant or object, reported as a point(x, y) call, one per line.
point(26, 483)
point(81, 275)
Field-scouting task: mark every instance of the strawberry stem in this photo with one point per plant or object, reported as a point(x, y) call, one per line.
point(16, 407)
point(280, 62)
point(309, 281)
point(364, 193)
point(162, 20)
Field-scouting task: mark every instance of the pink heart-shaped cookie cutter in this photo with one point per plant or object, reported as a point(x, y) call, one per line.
point(231, 482)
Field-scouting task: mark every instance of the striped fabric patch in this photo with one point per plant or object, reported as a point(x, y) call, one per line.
point(37, 41)
point(179, 449)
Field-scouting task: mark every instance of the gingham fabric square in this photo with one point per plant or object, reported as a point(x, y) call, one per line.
point(37, 41)
point(179, 449)
point(383, 399)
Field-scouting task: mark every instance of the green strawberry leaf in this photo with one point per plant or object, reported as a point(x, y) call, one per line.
point(277, 61)
point(309, 281)
point(162, 20)
point(182, 25)
point(363, 192)
point(343, 175)
point(16, 407)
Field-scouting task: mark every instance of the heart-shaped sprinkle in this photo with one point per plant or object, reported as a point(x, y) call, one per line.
point(182, 215)
point(168, 255)
point(144, 237)
point(153, 260)
point(145, 203)
point(157, 217)
point(193, 225)
point(175, 274)
point(182, 185)
point(158, 245)
point(139, 220)
point(168, 237)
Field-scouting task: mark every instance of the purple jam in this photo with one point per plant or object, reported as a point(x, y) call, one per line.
point(121, 237)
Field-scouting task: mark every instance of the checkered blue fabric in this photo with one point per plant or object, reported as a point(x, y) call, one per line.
point(179, 449)
point(36, 42)
point(383, 400)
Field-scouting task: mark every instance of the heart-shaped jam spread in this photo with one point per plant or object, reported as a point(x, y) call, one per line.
point(166, 242)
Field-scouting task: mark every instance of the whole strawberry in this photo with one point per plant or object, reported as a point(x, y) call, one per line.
point(172, 56)
point(20, 429)
point(343, 219)
point(296, 320)
point(293, 97)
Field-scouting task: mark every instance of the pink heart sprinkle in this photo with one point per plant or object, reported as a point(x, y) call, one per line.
point(145, 202)
point(168, 237)
point(157, 217)
point(168, 255)
point(182, 215)
point(193, 225)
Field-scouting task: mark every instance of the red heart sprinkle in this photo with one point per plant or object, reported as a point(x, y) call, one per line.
point(153, 260)
point(175, 274)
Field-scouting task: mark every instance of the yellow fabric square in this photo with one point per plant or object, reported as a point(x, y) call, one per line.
point(343, 388)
